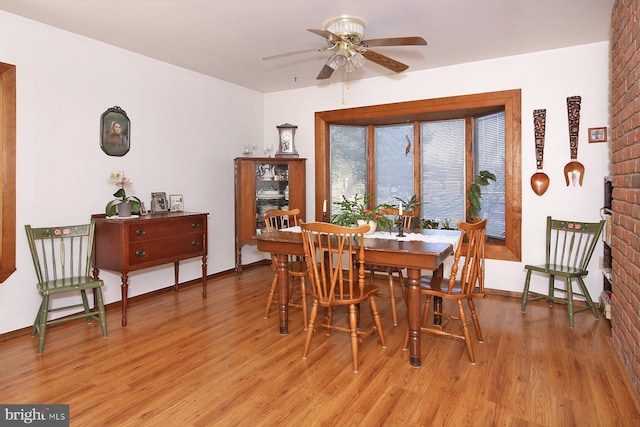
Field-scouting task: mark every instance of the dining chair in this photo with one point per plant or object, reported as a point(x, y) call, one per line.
point(338, 281)
point(469, 262)
point(406, 219)
point(276, 219)
point(569, 247)
point(62, 259)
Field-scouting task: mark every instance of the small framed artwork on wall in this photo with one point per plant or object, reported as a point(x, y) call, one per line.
point(114, 132)
point(159, 202)
point(176, 203)
point(598, 134)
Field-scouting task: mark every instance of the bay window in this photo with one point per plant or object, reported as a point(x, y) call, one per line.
point(433, 149)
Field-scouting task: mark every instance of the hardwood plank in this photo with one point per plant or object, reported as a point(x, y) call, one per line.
point(187, 361)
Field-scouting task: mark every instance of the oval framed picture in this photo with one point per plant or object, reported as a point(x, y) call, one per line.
point(115, 130)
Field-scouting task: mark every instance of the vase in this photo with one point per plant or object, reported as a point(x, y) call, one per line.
point(124, 210)
point(372, 225)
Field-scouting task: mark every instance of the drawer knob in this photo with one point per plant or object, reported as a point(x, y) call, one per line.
point(141, 232)
point(195, 243)
point(140, 253)
point(195, 225)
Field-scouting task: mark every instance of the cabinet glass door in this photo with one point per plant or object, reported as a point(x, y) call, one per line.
point(272, 190)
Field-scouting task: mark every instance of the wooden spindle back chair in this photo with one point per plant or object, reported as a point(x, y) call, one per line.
point(62, 260)
point(276, 219)
point(569, 246)
point(335, 258)
point(465, 282)
point(406, 219)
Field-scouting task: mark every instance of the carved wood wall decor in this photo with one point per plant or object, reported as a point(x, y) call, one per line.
point(539, 180)
point(574, 170)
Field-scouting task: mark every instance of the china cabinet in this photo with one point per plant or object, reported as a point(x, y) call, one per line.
point(263, 183)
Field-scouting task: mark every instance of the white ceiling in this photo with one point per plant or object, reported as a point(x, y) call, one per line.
point(227, 39)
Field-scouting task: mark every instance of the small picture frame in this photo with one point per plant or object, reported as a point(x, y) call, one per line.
point(176, 203)
point(143, 209)
point(115, 129)
point(159, 202)
point(598, 134)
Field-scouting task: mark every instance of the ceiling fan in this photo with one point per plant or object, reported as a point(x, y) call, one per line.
point(345, 38)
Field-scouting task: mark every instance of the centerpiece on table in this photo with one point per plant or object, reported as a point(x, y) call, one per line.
point(358, 212)
point(122, 205)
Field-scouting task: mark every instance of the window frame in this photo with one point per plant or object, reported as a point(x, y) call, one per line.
point(438, 109)
point(8, 174)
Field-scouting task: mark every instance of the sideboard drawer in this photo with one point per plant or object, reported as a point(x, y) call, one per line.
point(156, 230)
point(185, 246)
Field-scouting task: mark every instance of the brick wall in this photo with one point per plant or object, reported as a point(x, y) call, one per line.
point(625, 147)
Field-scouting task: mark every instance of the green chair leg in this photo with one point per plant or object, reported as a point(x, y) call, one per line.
point(525, 293)
point(43, 314)
point(102, 311)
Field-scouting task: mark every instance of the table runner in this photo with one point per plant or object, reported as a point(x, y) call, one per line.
point(431, 236)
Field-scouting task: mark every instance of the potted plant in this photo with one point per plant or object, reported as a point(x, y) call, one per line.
point(429, 223)
point(446, 224)
point(408, 205)
point(122, 205)
point(475, 193)
point(352, 211)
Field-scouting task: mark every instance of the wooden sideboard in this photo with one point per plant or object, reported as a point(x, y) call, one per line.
point(124, 245)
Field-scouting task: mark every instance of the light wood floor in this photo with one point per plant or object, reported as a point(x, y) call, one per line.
point(184, 361)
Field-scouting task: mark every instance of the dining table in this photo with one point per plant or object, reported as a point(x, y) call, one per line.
point(417, 250)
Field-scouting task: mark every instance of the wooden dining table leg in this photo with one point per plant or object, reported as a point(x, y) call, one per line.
point(413, 310)
point(282, 267)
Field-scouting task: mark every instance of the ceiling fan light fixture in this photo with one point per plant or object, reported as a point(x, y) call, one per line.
point(347, 27)
point(338, 59)
point(356, 60)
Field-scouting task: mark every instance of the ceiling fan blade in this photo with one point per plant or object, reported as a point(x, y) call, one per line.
point(396, 41)
point(385, 61)
point(282, 55)
point(325, 73)
point(331, 38)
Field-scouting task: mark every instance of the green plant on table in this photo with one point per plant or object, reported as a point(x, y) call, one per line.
point(358, 209)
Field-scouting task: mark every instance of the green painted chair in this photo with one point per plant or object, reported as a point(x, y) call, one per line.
point(62, 260)
point(570, 245)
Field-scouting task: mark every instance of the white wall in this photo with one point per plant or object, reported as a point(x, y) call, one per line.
point(186, 128)
point(546, 79)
